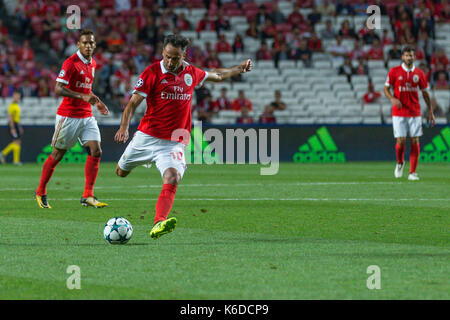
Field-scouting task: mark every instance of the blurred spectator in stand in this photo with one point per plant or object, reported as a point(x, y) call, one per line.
point(277, 104)
point(205, 108)
point(223, 103)
point(424, 67)
point(11, 67)
point(241, 102)
point(212, 62)
point(282, 54)
point(424, 23)
point(441, 82)
point(302, 53)
point(327, 9)
point(338, 52)
point(148, 32)
point(383, 9)
point(268, 30)
point(394, 53)
point(201, 93)
point(222, 44)
point(346, 31)
point(25, 53)
point(328, 33)
point(314, 43)
point(295, 18)
point(386, 39)
point(263, 52)
point(376, 51)
point(357, 51)
point(276, 16)
point(347, 69)
point(369, 36)
point(267, 116)
point(104, 77)
point(8, 88)
point(315, 16)
point(27, 90)
point(182, 23)
point(418, 52)
point(43, 88)
point(115, 42)
point(371, 95)
point(206, 24)
point(439, 58)
point(426, 44)
point(238, 44)
point(344, 8)
point(362, 68)
point(221, 23)
point(262, 16)
point(49, 24)
point(125, 92)
point(244, 118)
point(252, 30)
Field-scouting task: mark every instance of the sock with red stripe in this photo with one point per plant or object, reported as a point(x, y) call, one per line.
point(400, 152)
point(90, 172)
point(165, 201)
point(47, 171)
point(414, 157)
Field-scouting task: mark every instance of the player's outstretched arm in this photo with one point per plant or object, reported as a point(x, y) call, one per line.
point(221, 74)
point(122, 134)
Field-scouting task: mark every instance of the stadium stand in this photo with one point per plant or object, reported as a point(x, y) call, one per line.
point(34, 40)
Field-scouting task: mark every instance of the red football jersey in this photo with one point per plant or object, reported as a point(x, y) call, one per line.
point(406, 84)
point(78, 75)
point(168, 98)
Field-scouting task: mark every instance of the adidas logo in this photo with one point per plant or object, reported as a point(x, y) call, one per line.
point(164, 81)
point(82, 72)
point(319, 148)
point(438, 150)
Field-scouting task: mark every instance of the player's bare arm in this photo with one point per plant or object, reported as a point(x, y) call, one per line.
point(426, 97)
point(61, 90)
point(396, 102)
point(221, 74)
point(122, 134)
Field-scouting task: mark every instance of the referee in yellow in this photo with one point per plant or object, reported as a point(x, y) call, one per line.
point(15, 131)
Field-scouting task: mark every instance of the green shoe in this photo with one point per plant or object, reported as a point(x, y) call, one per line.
point(162, 227)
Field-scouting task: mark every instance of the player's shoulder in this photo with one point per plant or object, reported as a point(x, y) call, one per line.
point(396, 68)
point(72, 59)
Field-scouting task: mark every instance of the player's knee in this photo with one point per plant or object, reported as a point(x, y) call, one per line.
point(96, 153)
point(171, 177)
point(121, 173)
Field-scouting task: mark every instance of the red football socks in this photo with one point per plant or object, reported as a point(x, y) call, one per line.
point(47, 171)
point(414, 157)
point(165, 201)
point(400, 152)
point(91, 172)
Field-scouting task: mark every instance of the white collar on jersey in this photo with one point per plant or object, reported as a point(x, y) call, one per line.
point(83, 58)
point(164, 70)
point(406, 69)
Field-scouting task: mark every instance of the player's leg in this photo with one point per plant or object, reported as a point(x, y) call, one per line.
point(400, 132)
point(16, 152)
point(47, 171)
point(138, 152)
point(7, 150)
point(64, 138)
point(171, 163)
point(415, 133)
point(90, 139)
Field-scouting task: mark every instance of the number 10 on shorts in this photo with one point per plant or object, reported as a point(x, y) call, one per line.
point(177, 155)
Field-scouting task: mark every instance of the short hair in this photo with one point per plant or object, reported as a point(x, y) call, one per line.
point(177, 41)
point(408, 49)
point(86, 32)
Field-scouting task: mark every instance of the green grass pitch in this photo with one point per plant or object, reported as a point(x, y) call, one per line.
point(309, 232)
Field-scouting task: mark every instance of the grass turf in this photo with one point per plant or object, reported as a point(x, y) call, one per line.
point(309, 232)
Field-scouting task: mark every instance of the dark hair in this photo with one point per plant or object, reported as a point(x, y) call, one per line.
point(408, 49)
point(86, 32)
point(177, 41)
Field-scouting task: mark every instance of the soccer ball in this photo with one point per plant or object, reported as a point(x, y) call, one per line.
point(118, 230)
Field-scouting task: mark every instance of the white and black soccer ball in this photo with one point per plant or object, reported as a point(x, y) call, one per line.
point(118, 230)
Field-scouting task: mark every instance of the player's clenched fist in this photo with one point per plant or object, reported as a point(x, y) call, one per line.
point(247, 65)
point(121, 135)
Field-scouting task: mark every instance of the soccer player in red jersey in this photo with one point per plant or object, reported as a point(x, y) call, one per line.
point(74, 120)
point(406, 80)
point(164, 131)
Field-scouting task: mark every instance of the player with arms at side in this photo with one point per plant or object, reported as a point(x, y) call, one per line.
point(15, 131)
point(165, 129)
point(74, 120)
point(406, 80)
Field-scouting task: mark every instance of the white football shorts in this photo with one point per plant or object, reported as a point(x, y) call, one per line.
point(144, 149)
point(70, 130)
point(407, 126)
